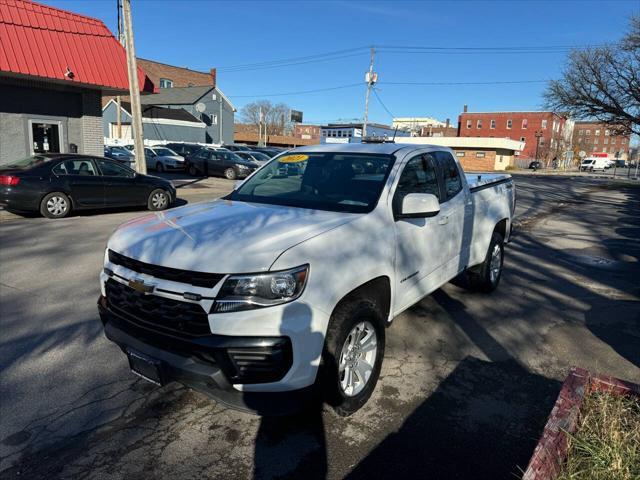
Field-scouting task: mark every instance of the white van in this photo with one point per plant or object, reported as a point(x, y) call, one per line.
point(594, 163)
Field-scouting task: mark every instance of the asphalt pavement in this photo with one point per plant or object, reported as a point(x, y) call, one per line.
point(467, 382)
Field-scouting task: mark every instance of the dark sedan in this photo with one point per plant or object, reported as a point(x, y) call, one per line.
point(56, 184)
point(535, 165)
point(218, 161)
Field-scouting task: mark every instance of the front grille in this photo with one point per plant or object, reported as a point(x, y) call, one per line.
point(160, 314)
point(198, 279)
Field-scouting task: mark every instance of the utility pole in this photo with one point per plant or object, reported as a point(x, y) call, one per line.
point(134, 89)
point(371, 79)
point(118, 98)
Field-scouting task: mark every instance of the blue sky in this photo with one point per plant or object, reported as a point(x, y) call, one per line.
point(200, 34)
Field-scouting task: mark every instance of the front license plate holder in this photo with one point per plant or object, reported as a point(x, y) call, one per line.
point(145, 367)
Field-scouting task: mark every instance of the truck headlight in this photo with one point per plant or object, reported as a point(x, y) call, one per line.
point(248, 292)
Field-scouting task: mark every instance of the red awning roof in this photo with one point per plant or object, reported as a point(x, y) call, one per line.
point(42, 41)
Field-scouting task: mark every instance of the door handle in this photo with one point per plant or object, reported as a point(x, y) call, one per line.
point(443, 220)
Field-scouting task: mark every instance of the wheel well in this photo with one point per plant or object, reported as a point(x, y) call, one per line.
point(501, 228)
point(378, 289)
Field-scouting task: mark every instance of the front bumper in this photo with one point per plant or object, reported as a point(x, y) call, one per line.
point(213, 363)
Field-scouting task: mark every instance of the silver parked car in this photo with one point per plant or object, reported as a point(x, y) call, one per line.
point(163, 159)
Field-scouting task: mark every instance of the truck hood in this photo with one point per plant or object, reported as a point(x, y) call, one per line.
point(221, 236)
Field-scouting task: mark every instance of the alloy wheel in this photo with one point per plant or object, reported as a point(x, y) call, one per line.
point(495, 264)
point(357, 358)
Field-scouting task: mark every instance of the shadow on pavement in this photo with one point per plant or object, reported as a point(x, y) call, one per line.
point(483, 421)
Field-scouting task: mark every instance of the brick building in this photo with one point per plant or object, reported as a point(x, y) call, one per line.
point(594, 137)
point(554, 130)
point(168, 76)
point(476, 154)
point(307, 132)
point(445, 130)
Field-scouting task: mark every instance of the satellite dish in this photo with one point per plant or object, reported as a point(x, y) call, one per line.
point(201, 107)
point(582, 154)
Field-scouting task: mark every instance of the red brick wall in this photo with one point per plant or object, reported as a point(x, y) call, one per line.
point(534, 122)
point(438, 132)
point(591, 142)
point(471, 163)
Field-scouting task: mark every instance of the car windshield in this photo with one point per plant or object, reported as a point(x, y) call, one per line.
point(323, 181)
point(164, 152)
point(28, 162)
point(119, 150)
point(261, 157)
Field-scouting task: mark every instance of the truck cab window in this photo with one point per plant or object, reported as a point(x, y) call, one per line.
point(418, 176)
point(450, 174)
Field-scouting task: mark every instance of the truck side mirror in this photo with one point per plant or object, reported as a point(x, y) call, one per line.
point(419, 205)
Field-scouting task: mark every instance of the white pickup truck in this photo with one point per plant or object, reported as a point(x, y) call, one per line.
point(283, 289)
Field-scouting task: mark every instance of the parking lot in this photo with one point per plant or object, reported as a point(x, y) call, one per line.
point(467, 381)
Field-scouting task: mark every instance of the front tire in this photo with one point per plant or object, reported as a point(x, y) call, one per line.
point(230, 174)
point(159, 167)
point(352, 356)
point(55, 205)
point(159, 199)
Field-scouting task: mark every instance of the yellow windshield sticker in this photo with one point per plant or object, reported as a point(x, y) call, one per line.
point(293, 158)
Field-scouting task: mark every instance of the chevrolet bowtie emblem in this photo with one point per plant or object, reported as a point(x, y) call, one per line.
point(139, 286)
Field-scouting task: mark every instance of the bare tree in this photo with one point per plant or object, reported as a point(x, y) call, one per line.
point(274, 116)
point(602, 83)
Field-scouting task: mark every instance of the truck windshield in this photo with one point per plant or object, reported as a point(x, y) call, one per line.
point(338, 182)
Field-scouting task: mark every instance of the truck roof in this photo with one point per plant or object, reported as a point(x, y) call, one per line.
point(383, 148)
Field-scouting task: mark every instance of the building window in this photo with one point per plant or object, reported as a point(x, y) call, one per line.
point(606, 141)
point(596, 141)
point(623, 141)
point(493, 124)
point(468, 123)
point(213, 118)
point(460, 154)
point(556, 126)
point(597, 133)
point(544, 124)
point(479, 154)
point(523, 139)
point(525, 123)
point(607, 132)
point(587, 132)
point(509, 124)
point(479, 124)
point(605, 150)
point(166, 83)
point(580, 132)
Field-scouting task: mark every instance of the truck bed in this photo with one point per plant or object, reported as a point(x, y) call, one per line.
point(480, 181)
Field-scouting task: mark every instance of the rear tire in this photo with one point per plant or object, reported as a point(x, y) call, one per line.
point(55, 205)
point(486, 276)
point(193, 171)
point(352, 355)
point(159, 199)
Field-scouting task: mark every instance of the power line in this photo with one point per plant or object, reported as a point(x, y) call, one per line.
point(402, 49)
point(437, 84)
point(285, 62)
point(301, 92)
point(375, 92)
point(352, 85)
